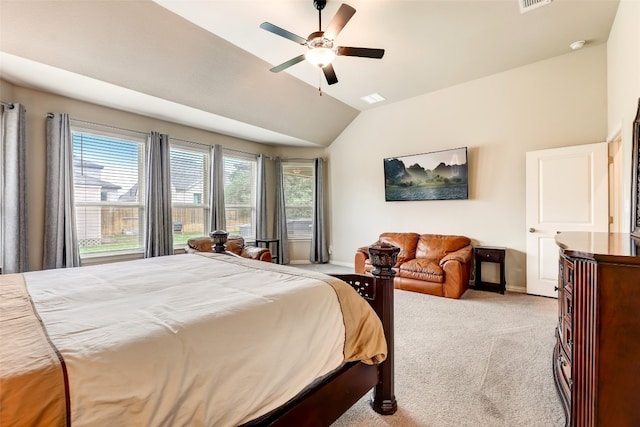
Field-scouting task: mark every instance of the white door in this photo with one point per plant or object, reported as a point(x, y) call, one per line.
point(567, 190)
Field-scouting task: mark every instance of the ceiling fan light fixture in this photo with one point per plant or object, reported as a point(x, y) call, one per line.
point(321, 51)
point(320, 56)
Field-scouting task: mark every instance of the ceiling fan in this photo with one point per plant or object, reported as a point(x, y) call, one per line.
point(320, 43)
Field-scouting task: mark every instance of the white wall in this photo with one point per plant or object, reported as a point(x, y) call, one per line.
point(552, 103)
point(623, 87)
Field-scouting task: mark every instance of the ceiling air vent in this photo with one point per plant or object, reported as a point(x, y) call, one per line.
point(528, 5)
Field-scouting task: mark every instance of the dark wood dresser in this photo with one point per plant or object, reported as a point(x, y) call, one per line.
point(596, 360)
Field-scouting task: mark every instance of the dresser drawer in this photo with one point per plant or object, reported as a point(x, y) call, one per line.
point(489, 254)
point(564, 368)
point(566, 303)
point(568, 275)
point(566, 340)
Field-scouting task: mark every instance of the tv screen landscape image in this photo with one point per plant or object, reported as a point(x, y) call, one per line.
point(439, 175)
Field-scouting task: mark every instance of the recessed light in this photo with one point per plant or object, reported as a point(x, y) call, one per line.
point(373, 98)
point(577, 45)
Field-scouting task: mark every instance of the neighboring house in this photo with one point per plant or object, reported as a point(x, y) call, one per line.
point(186, 182)
point(89, 187)
point(187, 186)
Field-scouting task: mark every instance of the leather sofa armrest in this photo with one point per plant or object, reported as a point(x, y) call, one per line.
point(362, 254)
point(457, 268)
point(254, 252)
point(463, 256)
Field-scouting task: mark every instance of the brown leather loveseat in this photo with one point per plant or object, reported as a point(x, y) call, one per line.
point(235, 244)
point(429, 263)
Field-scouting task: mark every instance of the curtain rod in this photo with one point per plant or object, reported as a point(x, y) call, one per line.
point(50, 115)
point(9, 105)
point(293, 159)
point(209, 145)
point(105, 126)
point(190, 142)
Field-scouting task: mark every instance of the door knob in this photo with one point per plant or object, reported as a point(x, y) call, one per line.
point(532, 230)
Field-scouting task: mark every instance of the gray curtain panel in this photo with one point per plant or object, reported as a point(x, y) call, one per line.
point(261, 199)
point(158, 232)
point(280, 217)
point(217, 219)
point(60, 238)
point(319, 249)
point(14, 196)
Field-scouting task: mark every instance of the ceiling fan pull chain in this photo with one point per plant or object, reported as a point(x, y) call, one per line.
point(320, 81)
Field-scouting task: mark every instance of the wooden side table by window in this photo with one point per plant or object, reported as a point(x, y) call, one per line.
point(275, 256)
point(490, 254)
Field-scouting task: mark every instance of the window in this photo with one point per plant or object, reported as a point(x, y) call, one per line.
point(189, 183)
point(108, 190)
point(240, 194)
point(1, 187)
point(298, 198)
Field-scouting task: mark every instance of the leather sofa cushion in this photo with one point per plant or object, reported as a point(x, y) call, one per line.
point(422, 269)
point(435, 246)
point(203, 244)
point(200, 244)
point(405, 241)
point(234, 244)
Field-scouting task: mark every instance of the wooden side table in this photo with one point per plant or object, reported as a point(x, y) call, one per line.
point(490, 254)
point(275, 256)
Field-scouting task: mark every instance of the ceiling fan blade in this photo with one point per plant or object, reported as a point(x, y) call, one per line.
point(283, 33)
point(330, 74)
point(289, 63)
point(339, 20)
point(360, 51)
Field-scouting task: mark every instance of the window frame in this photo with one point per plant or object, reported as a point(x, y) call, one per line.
point(204, 197)
point(2, 119)
point(140, 138)
point(253, 160)
point(292, 164)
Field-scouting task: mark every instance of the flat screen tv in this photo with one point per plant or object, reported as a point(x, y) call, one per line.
point(439, 175)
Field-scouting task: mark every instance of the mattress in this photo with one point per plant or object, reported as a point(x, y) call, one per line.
point(194, 339)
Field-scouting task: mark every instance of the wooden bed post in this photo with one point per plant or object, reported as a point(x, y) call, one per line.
point(323, 403)
point(383, 257)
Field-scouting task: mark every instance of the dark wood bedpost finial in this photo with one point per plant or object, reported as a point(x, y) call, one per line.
point(218, 238)
point(383, 257)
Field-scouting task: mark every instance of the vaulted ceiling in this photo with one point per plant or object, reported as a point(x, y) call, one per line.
point(206, 63)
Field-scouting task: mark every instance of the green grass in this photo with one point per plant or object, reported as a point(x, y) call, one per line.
point(120, 242)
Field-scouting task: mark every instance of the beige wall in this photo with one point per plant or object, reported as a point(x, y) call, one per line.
point(38, 104)
point(623, 88)
point(553, 103)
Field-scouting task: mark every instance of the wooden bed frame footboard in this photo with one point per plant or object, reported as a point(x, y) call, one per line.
point(325, 401)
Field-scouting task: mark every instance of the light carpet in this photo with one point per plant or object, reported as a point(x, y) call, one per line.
point(483, 360)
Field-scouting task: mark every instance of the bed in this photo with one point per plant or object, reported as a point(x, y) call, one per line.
point(194, 339)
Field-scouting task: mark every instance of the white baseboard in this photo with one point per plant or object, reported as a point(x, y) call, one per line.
point(306, 261)
point(342, 264)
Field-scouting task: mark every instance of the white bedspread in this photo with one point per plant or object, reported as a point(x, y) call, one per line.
point(187, 340)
